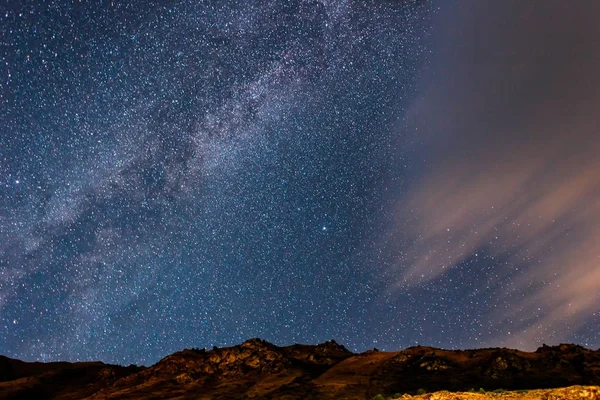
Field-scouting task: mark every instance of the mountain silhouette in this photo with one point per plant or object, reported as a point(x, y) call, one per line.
point(259, 369)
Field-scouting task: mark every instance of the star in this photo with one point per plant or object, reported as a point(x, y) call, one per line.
point(209, 172)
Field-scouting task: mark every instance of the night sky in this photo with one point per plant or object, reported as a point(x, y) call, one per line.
point(187, 174)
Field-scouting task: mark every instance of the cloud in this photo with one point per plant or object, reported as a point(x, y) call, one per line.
point(508, 122)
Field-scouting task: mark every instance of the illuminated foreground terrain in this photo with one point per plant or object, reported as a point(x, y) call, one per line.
point(570, 393)
point(258, 369)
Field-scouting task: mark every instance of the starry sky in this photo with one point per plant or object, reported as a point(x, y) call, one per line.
point(196, 173)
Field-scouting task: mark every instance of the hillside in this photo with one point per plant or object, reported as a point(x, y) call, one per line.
point(258, 369)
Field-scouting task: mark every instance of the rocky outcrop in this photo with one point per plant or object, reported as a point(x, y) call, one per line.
point(258, 369)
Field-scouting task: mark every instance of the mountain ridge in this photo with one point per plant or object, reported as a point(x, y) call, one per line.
point(259, 369)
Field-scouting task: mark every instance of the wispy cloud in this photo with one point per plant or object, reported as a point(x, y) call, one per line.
point(510, 131)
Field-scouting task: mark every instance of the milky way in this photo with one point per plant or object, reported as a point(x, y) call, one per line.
point(189, 174)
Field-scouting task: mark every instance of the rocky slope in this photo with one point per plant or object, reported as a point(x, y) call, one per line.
point(258, 369)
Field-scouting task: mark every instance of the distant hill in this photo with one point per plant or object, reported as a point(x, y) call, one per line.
point(258, 369)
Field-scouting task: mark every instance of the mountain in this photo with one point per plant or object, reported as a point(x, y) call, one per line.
point(258, 369)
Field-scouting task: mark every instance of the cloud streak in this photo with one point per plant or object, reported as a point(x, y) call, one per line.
point(509, 131)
